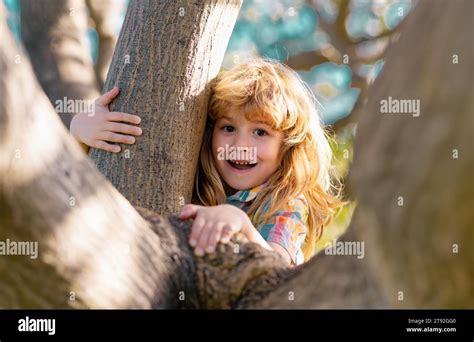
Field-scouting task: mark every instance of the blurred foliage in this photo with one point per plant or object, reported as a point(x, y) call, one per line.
point(342, 147)
point(284, 29)
point(93, 40)
point(333, 231)
point(332, 83)
point(13, 18)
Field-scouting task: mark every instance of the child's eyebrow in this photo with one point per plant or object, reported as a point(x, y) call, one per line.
point(225, 117)
point(263, 122)
point(228, 118)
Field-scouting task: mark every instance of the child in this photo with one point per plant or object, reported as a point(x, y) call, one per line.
point(265, 164)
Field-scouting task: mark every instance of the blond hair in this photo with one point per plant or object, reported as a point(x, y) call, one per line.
point(265, 89)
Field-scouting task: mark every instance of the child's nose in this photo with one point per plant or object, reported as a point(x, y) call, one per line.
point(242, 140)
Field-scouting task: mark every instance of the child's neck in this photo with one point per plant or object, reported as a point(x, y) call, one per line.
point(228, 190)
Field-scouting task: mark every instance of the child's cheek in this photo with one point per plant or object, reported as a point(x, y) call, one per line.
point(214, 146)
point(267, 151)
point(217, 142)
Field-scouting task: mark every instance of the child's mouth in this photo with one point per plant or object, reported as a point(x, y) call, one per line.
point(241, 164)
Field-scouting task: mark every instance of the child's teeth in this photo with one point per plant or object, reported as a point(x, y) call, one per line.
point(241, 162)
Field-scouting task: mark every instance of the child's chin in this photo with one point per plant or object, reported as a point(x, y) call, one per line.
point(241, 185)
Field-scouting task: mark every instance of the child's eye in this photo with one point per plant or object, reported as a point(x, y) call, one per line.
point(260, 132)
point(228, 128)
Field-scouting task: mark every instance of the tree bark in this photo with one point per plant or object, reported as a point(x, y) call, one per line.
point(54, 34)
point(165, 58)
point(409, 248)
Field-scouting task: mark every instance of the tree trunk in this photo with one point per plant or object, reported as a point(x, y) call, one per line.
point(166, 56)
point(409, 249)
point(54, 34)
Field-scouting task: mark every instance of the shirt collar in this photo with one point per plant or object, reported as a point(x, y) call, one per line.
point(247, 195)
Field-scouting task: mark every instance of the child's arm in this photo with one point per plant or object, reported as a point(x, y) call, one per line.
point(254, 236)
point(101, 128)
point(218, 224)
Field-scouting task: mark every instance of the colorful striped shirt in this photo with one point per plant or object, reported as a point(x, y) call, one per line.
point(287, 227)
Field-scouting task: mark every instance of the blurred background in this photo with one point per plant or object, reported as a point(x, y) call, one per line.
point(337, 46)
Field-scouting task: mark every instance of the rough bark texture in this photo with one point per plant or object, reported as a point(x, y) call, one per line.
point(54, 34)
point(165, 57)
point(100, 248)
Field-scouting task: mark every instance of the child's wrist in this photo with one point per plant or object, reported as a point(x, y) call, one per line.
point(72, 128)
point(247, 227)
point(73, 132)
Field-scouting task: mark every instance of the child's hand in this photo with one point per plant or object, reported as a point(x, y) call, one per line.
point(103, 127)
point(213, 225)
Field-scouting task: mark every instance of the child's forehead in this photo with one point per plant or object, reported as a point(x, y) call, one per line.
point(240, 115)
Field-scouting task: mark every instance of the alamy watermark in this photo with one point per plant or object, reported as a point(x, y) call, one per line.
point(71, 106)
point(356, 248)
point(28, 324)
point(29, 248)
point(237, 153)
point(400, 106)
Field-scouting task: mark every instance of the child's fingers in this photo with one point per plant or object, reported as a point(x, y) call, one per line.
point(122, 128)
point(117, 138)
point(188, 211)
point(105, 146)
point(105, 99)
point(196, 229)
point(203, 238)
point(123, 117)
point(214, 237)
point(226, 234)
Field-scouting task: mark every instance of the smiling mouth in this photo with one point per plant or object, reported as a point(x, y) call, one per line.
point(241, 165)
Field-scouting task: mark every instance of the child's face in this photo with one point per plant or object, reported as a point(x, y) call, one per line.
point(246, 153)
